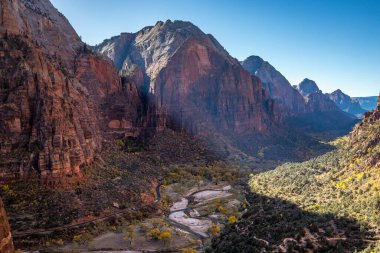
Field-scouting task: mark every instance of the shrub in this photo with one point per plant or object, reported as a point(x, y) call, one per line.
point(232, 219)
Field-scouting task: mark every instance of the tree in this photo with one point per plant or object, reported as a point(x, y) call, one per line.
point(232, 219)
point(165, 236)
point(154, 233)
point(130, 234)
point(215, 229)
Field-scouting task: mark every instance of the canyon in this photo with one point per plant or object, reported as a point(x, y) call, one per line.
point(92, 135)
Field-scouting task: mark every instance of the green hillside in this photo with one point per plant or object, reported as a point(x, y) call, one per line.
point(337, 194)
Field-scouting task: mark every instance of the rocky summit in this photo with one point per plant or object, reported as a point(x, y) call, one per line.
point(346, 103)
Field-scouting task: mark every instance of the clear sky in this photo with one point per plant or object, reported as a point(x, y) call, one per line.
point(334, 42)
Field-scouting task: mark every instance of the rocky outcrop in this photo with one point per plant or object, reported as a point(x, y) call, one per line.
point(346, 103)
point(192, 83)
point(6, 244)
point(54, 95)
point(289, 99)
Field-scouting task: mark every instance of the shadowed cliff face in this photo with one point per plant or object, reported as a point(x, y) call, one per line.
point(54, 94)
point(289, 99)
point(6, 244)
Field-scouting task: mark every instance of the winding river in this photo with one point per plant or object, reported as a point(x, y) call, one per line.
point(188, 219)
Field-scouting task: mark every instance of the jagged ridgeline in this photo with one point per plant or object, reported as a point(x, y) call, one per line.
point(328, 204)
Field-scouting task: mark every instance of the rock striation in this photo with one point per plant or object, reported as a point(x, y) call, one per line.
point(53, 94)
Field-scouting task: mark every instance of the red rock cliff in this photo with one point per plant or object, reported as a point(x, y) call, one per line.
point(53, 94)
point(191, 81)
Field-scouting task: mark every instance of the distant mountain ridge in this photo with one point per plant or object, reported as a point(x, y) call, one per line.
point(303, 106)
point(367, 103)
point(346, 103)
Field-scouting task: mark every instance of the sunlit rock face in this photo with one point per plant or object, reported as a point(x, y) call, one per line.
point(289, 100)
point(191, 81)
point(6, 244)
point(55, 95)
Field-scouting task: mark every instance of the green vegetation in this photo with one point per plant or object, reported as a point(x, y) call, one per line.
point(344, 182)
point(327, 204)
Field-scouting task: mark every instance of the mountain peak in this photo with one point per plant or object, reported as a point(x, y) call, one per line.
point(307, 87)
point(253, 63)
point(346, 103)
point(152, 47)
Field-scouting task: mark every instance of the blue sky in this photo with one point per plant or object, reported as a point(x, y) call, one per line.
point(334, 42)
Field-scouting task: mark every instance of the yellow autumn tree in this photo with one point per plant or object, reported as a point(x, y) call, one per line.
point(232, 219)
point(165, 236)
point(215, 229)
point(130, 234)
point(154, 233)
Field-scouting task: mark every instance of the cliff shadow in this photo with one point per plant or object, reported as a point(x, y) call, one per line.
point(275, 225)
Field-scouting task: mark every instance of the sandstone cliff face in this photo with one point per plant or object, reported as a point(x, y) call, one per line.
point(6, 244)
point(117, 101)
point(289, 99)
point(346, 103)
point(47, 118)
point(54, 94)
point(191, 81)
